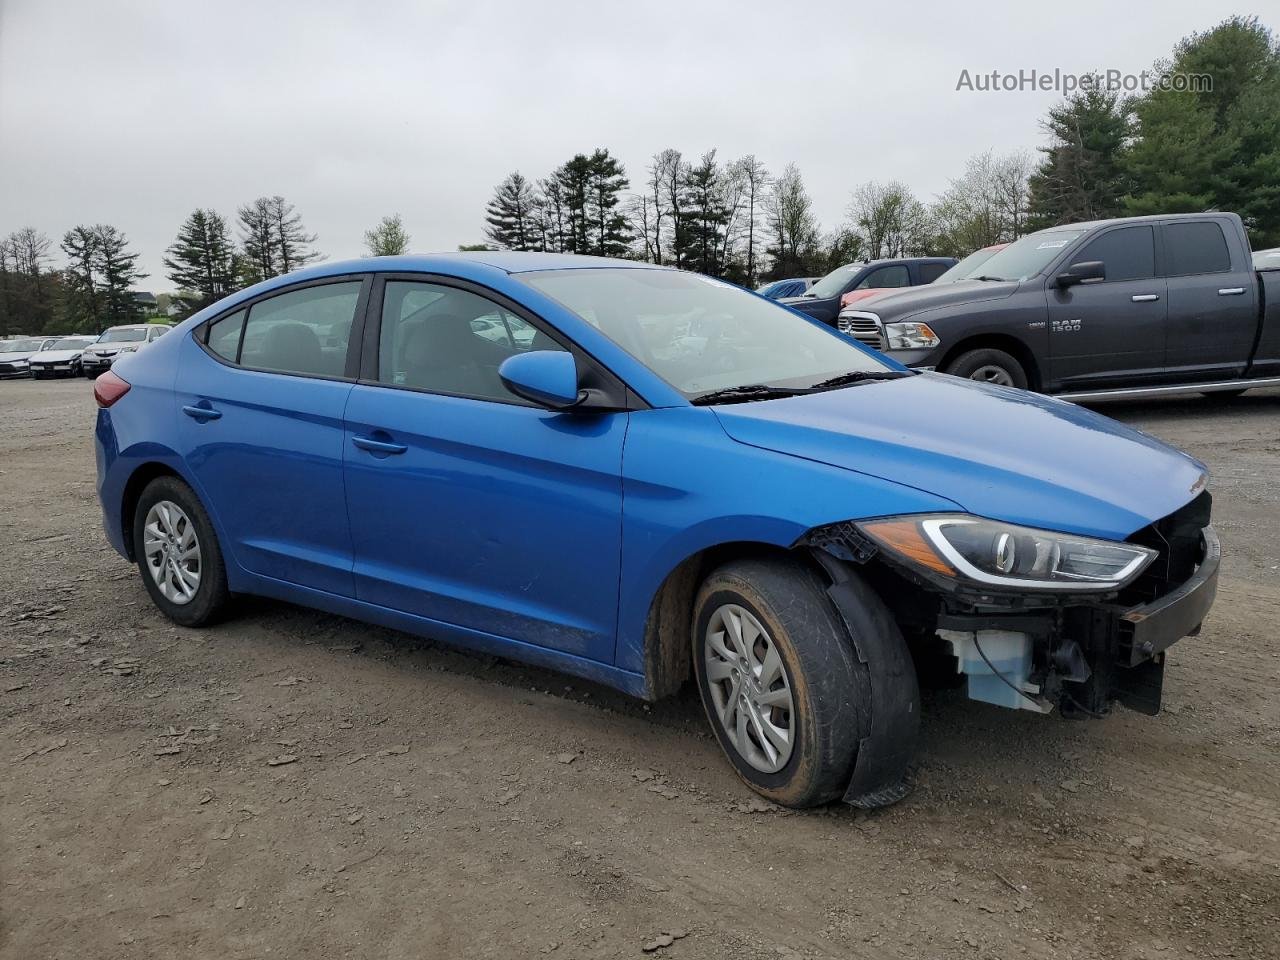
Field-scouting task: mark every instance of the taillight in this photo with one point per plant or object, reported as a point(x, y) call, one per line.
point(109, 388)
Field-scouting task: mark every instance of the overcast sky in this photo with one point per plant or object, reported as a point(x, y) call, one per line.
point(135, 113)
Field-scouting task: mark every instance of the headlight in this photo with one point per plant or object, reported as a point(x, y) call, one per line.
point(1005, 555)
point(909, 336)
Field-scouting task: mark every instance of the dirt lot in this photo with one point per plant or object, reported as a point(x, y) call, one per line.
point(292, 784)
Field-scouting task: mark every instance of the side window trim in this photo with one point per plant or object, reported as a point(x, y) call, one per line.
point(1090, 241)
point(1166, 265)
point(351, 364)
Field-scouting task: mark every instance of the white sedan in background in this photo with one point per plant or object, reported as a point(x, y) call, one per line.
point(15, 354)
point(59, 359)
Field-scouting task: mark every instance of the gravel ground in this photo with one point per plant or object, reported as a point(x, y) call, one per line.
point(292, 784)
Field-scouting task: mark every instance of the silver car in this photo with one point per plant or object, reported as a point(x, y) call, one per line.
point(127, 338)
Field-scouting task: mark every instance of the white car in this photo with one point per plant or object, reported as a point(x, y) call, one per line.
point(60, 359)
point(16, 353)
point(117, 340)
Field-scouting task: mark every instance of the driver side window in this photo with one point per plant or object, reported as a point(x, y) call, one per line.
point(444, 340)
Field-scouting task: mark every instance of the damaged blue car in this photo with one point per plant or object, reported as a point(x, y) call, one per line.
point(646, 477)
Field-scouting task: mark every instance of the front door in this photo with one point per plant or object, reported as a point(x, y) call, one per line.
point(260, 397)
point(469, 506)
point(1113, 329)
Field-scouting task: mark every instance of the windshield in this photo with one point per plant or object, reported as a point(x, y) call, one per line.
point(122, 335)
point(703, 335)
point(70, 343)
point(22, 346)
point(1025, 258)
point(969, 265)
point(833, 284)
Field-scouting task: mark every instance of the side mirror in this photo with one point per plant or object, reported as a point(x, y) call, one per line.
point(548, 378)
point(1086, 272)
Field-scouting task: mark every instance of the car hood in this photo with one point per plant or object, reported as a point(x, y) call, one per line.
point(21, 355)
point(58, 356)
point(913, 300)
point(998, 452)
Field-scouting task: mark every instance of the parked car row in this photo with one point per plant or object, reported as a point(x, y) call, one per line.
point(76, 355)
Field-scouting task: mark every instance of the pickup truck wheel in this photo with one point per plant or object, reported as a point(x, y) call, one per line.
point(776, 673)
point(990, 366)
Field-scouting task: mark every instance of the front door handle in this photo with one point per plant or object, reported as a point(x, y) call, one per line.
point(1231, 291)
point(378, 446)
point(201, 413)
point(1145, 297)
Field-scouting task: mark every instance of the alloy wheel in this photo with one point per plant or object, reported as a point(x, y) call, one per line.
point(990, 373)
point(172, 551)
point(749, 688)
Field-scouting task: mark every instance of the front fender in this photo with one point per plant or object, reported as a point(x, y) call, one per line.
point(689, 487)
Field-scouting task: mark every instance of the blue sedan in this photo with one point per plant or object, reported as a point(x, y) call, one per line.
point(644, 477)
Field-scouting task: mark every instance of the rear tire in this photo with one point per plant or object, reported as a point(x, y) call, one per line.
point(809, 691)
point(989, 365)
point(178, 554)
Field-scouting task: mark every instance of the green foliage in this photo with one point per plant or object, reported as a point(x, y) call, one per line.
point(1217, 148)
point(1081, 175)
point(29, 291)
point(512, 214)
point(202, 260)
point(388, 238)
point(99, 279)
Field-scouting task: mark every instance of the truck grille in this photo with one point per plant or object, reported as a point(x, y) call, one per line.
point(862, 328)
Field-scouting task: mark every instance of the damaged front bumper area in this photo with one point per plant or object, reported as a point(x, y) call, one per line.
point(1077, 652)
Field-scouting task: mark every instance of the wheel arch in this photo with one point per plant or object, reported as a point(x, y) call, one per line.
point(142, 475)
point(667, 661)
point(1010, 344)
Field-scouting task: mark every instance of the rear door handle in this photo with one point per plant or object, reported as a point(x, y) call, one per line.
point(1231, 291)
point(201, 414)
point(1145, 297)
point(379, 446)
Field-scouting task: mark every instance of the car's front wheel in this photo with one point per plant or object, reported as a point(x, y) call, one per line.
point(178, 553)
point(779, 679)
point(989, 366)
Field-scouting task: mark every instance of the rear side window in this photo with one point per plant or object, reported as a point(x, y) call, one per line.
point(445, 340)
point(1128, 253)
point(223, 336)
point(930, 272)
point(1196, 247)
point(304, 331)
point(896, 276)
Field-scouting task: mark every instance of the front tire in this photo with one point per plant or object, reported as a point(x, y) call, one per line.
point(778, 678)
point(989, 365)
point(178, 554)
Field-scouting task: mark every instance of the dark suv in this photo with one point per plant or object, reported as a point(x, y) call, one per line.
point(824, 299)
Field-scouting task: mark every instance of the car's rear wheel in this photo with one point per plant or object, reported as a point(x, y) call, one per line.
point(776, 672)
point(178, 553)
point(989, 366)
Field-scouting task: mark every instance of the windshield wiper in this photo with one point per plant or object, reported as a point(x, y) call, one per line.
point(747, 392)
point(860, 376)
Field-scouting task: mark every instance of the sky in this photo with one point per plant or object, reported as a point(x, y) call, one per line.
point(135, 113)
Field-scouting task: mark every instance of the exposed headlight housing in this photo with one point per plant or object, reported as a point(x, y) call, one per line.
point(1005, 556)
point(909, 336)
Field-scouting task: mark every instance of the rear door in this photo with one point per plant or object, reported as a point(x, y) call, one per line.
point(260, 402)
point(1213, 305)
point(468, 505)
point(1114, 329)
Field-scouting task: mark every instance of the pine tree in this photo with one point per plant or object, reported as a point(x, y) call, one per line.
point(118, 271)
point(259, 260)
point(388, 238)
point(512, 215)
point(1214, 148)
point(82, 300)
point(293, 243)
point(1081, 176)
point(703, 216)
point(608, 233)
point(202, 261)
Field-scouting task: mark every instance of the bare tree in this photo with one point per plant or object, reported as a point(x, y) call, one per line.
point(791, 223)
point(987, 204)
point(890, 220)
point(754, 181)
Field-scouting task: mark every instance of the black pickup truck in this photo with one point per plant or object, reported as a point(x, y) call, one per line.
point(1109, 309)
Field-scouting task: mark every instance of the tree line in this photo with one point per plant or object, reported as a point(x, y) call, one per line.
point(209, 258)
point(1109, 155)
